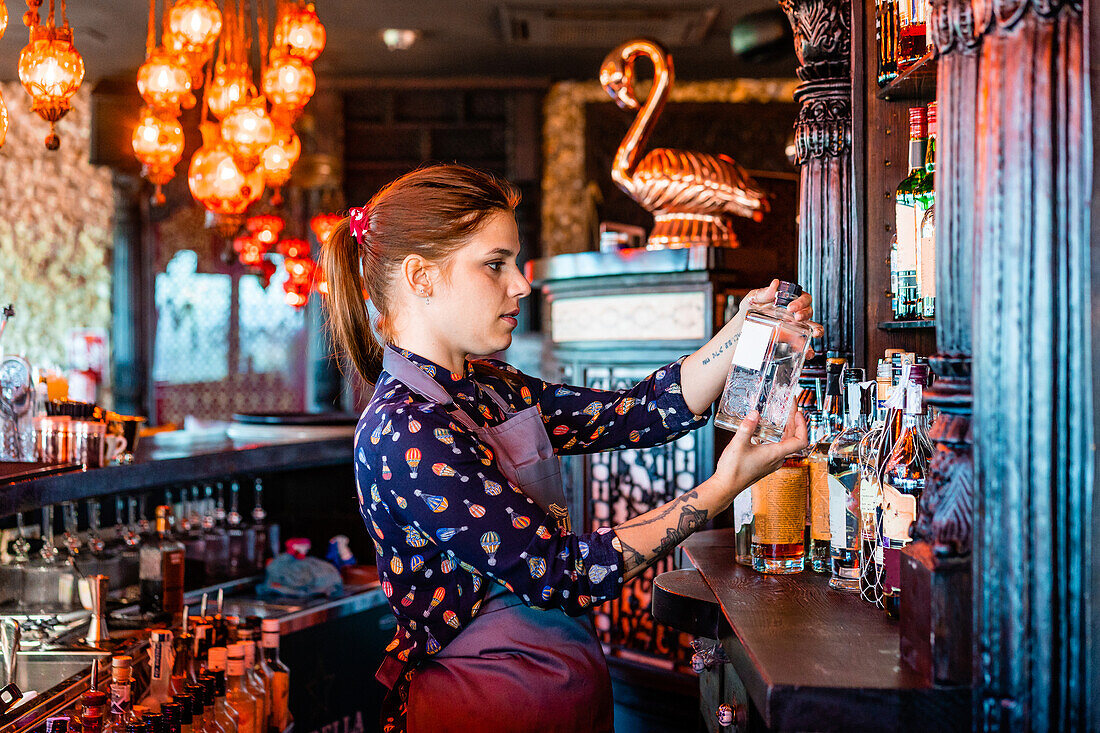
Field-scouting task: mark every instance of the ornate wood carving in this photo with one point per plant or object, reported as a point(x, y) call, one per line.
point(827, 261)
point(1033, 368)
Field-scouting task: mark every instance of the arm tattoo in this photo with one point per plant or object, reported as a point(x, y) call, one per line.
point(689, 520)
point(722, 348)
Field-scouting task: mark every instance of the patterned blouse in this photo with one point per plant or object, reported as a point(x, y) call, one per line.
point(447, 524)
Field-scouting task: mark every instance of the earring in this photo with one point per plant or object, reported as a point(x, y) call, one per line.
point(427, 298)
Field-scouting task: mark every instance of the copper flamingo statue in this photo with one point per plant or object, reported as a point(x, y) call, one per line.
point(691, 195)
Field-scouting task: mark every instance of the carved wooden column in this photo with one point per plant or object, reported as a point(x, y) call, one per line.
point(937, 568)
point(828, 267)
point(1034, 417)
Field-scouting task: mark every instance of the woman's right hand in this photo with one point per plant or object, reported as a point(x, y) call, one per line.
point(743, 462)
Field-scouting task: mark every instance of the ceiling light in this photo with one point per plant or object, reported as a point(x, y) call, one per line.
point(399, 39)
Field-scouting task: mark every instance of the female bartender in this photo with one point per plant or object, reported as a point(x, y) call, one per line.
point(456, 462)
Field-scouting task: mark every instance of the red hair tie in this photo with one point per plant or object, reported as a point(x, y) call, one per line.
point(359, 222)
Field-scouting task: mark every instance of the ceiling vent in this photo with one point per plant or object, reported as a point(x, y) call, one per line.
point(605, 27)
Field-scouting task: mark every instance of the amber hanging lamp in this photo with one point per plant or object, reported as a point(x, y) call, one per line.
point(279, 159)
point(3, 107)
point(192, 31)
point(299, 30)
point(50, 68)
point(158, 144)
point(289, 84)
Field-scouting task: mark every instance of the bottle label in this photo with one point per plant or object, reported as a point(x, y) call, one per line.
point(820, 526)
point(120, 697)
point(752, 345)
point(742, 509)
point(906, 219)
point(779, 507)
point(271, 639)
point(844, 511)
point(280, 700)
point(868, 496)
point(926, 273)
point(898, 512)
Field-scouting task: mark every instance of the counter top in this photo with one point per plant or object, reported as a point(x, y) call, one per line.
point(810, 656)
point(171, 458)
point(638, 261)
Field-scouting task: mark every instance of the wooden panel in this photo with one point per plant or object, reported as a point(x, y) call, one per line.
point(813, 658)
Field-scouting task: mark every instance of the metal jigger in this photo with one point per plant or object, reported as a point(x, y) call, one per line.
point(97, 627)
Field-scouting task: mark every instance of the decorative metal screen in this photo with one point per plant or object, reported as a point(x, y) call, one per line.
point(624, 484)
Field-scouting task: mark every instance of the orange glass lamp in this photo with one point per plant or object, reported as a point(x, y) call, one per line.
point(249, 251)
point(232, 84)
point(3, 121)
point(193, 27)
point(300, 31)
point(219, 185)
point(323, 225)
point(278, 160)
point(50, 68)
point(158, 144)
point(289, 82)
point(165, 82)
point(265, 229)
point(248, 131)
point(294, 249)
point(3, 18)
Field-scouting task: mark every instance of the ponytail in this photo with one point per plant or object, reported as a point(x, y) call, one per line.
point(349, 320)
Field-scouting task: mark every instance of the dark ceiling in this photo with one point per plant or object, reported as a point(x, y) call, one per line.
point(460, 38)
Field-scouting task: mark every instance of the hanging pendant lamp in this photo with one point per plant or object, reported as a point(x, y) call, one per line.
point(50, 67)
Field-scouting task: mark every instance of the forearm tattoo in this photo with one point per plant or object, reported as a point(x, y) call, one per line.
point(689, 519)
point(718, 352)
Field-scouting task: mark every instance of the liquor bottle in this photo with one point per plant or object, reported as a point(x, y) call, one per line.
point(844, 488)
point(203, 641)
point(223, 714)
point(765, 367)
point(907, 220)
point(160, 670)
point(161, 572)
point(263, 670)
point(926, 265)
point(215, 542)
point(255, 682)
point(210, 721)
point(779, 519)
point(279, 682)
point(181, 666)
point(186, 701)
point(912, 32)
point(237, 695)
point(258, 531)
point(92, 706)
point(903, 478)
point(197, 692)
point(194, 571)
point(240, 561)
point(172, 713)
point(886, 36)
point(119, 712)
point(154, 722)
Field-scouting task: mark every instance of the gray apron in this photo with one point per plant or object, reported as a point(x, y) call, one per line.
point(513, 668)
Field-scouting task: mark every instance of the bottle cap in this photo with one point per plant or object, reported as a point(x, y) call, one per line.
point(198, 696)
point(122, 660)
point(787, 293)
point(160, 636)
point(234, 651)
point(186, 701)
point(270, 624)
point(931, 118)
point(916, 123)
point(57, 725)
point(217, 658)
point(854, 375)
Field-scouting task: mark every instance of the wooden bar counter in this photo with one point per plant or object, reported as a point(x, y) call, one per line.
point(801, 656)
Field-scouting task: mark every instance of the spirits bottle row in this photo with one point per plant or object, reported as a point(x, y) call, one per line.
point(845, 507)
point(219, 674)
point(901, 32)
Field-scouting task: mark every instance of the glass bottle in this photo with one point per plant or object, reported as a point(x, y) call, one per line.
point(279, 682)
point(172, 713)
point(223, 714)
point(181, 665)
point(119, 712)
point(204, 634)
point(886, 40)
point(844, 488)
point(829, 425)
point(912, 32)
point(926, 266)
point(240, 562)
point(903, 478)
point(161, 571)
point(186, 701)
point(191, 535)
point(197, 692)
point(765, 367)
point(779, 519)
point(215, 541)
point(237, 695)
point(210, 721)
point(255, 681)
point(91, 708)
point(258, 532)
point(907, 219)
point(160, 670)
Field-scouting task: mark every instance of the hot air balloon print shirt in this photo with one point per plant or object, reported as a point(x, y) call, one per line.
point(446, 523)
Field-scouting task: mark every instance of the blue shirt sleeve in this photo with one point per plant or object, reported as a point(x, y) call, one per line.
point(446, 483)
point(585, 420)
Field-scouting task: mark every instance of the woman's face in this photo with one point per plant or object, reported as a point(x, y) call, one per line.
point(474, 307)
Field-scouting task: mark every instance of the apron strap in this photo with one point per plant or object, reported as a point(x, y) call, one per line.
point(413, 377)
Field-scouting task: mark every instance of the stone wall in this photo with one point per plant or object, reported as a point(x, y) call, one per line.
point(55, 230)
